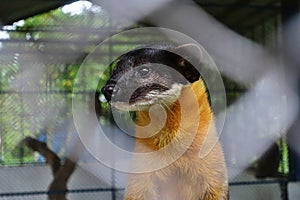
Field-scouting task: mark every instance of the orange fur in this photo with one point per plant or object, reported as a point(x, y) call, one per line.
point(189, 177)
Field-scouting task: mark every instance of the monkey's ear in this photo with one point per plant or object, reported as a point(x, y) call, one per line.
point(189, 51)
point(190, 63)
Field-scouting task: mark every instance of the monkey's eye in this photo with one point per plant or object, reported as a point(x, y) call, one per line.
point(143, 72)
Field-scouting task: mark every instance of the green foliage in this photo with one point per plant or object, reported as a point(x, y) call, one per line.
point(37, 75)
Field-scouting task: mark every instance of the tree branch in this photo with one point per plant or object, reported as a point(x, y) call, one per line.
point(61, 172)
point(51, 158)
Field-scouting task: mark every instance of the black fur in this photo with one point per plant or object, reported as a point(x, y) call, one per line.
point(160, 79)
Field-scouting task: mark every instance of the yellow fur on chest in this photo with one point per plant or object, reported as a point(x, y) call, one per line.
point(190, 176)
point(181, 119)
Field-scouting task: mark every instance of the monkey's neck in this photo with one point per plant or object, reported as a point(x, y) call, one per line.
point(190, 116)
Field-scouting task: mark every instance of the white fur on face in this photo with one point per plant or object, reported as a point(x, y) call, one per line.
point(165, 98)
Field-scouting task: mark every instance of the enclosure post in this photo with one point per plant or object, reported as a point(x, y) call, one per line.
point(284, 189)
point(289, 8)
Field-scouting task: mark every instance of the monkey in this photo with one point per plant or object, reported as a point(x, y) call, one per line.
point(181, 91)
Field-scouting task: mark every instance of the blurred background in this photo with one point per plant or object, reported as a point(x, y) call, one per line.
point(44, 43)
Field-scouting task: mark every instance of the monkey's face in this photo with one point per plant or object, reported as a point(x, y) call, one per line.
point(148, 76)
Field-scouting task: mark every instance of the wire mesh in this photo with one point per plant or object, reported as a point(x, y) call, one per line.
point(48, 51)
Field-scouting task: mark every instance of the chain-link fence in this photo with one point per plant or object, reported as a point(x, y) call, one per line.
point(39, 61)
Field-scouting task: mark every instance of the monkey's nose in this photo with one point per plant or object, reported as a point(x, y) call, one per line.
point(108, 91)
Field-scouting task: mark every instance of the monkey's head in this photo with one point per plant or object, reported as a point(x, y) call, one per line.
point(150, 75)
